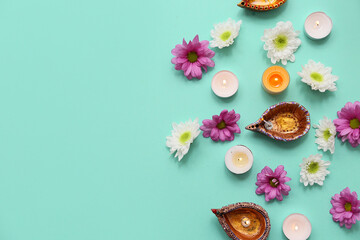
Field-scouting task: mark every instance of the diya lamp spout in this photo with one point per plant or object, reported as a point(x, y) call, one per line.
point(253, 127)
point(242, 4)
point(214, 211)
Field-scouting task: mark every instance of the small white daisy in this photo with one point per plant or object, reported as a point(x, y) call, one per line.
point(325, 133)
point(281, 42)
point(224, 33)
point(182, 135)
point(313, 170)
point(318, 76)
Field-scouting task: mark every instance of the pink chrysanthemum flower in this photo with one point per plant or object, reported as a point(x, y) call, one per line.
point(348, 123)
point(346, 208)
point(191, 57)
point(273, 183)
point(221, 127)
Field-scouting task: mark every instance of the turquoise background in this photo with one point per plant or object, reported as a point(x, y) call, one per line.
point(87, 98)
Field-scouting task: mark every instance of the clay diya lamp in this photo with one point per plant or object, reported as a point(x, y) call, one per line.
point(244, 221)
point(261, 5)
point(285, 121)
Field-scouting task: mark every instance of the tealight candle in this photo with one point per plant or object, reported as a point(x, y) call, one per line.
point(318, 25)
point(275, 79)
point(297, 227)
point(224, 84)
point(239, 159)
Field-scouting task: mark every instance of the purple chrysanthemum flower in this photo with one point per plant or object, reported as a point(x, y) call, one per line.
point(221, 127)
point(191, 57)
point(346, 208)
point(273, 183)
point(348, 123)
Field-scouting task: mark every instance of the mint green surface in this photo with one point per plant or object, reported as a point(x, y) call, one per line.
point(87, 98)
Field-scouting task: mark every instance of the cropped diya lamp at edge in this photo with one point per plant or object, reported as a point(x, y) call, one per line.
point(261, 5)
point(275, 79)
point(244, 221)
point(285, 121)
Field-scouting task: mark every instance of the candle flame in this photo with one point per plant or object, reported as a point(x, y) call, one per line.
point(295, 227)
point(317, 24)
point(224, 82)
point(245, 222)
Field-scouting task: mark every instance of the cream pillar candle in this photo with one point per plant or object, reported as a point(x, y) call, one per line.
point(239, 159)
point(297, 227)
point(224, 84)
point(318, 25)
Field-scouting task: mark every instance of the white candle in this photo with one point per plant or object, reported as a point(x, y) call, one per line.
point(239, 159)
point(318, 25)
point(224, 84)
point(297, 227)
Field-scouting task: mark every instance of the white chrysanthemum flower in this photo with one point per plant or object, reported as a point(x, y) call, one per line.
point(313, 170)
point(224, 33)
point(318, 76)
point(325, 133)
point(182, 135)
point(281, 42)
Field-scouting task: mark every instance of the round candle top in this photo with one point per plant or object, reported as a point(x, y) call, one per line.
point(239, 159)
point(275, 79)
point(297, 227)
point(224, 84)
point(318, 25)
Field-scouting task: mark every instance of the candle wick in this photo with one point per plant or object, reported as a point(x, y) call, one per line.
point(268, 125)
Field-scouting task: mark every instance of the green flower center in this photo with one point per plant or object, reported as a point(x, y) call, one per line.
point(192, 57)
point(281, 41)
point(221, 125)
point(355, 123)
point(225, 35)
point(313, 167)
point(327, 134)
point(274, 182)
point(348, 207)
point(317, 77)
point(185, 137)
